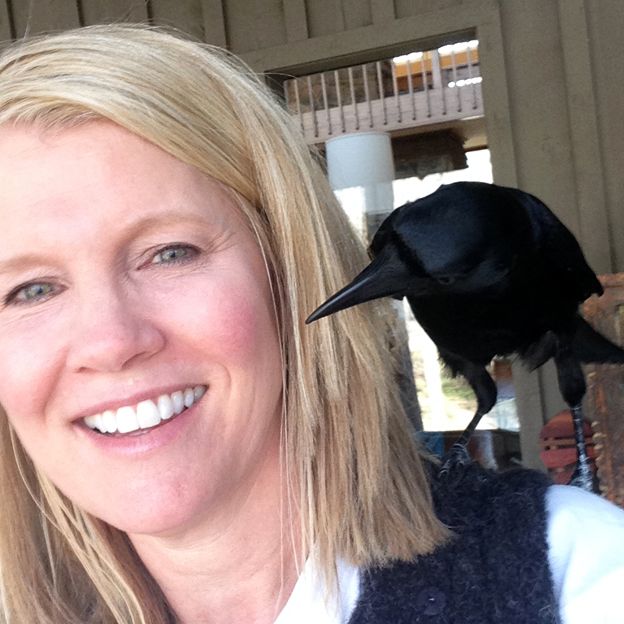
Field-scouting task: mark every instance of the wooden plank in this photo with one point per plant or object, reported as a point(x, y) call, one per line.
point(408, 8)
point(382, 11)
point(255, 25)
point(36, 16)
point(325, 17)
point(296, 20)
point(319, 53)
point(605, 25)
point(213, 20)
point(185, 15)
point(98, 12)
point(6, 27)
point(356, 13)
point(583, 113)
point(496, 98)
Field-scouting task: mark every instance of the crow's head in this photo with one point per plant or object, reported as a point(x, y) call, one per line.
point(458, 240)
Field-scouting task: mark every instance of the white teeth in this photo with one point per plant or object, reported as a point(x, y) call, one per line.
point(109, 421)
point(189, 397)
point(165, 407)
point(177, 399)
point(91, 421)
point(127, 420)
point(145, 414)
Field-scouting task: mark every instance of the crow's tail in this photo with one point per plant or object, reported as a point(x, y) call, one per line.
point(591, 347)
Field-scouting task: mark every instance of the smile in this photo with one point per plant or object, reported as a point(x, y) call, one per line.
point(146, 414)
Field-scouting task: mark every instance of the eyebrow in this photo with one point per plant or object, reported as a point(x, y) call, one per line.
point(168, 217)
point(19, 263)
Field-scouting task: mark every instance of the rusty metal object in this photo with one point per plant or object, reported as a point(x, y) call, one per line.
point(605, 396)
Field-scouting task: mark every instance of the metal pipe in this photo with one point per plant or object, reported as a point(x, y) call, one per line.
point(353, 100)
point(339, 99)
point(367, 96)
point(382, 95)
point(312, 107)
point(470, 78)
point(298, 103)
point(425, 79)
point(395, 88)
point(326, 103)
point(454, 66)
point(410, 87)
point(436, 71)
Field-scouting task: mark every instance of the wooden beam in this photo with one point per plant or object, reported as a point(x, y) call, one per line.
point(592, 216)
point(98, 12)
point(364, 44)
point(215, 30)
point(36, 16)
point(185, 15)
point(382, 11)
point(296, 19)
point(6, 27)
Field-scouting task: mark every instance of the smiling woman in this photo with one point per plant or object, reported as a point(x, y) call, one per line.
point(176, 446)
point(175, 443)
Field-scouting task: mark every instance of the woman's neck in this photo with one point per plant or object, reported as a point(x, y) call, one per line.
point(238, 566)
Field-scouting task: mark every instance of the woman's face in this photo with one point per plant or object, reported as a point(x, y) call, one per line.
point(127, 281)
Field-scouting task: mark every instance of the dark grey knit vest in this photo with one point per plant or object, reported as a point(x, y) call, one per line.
point(494, 571)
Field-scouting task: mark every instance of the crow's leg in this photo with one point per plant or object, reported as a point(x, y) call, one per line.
point(582, 476)
point(485, 389)
point(573, 387)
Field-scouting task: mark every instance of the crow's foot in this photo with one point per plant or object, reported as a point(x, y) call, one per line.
point(584, 478)
point(456, 459)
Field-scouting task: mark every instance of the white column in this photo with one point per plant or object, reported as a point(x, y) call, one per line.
point(361, 170)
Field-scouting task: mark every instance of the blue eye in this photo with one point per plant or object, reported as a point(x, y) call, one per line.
point(35, 292)
point(174, 254)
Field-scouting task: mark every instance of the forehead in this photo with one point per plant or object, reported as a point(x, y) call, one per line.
point(83, 156)
point(95, 175)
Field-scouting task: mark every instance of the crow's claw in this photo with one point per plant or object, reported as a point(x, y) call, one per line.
point(457, 457)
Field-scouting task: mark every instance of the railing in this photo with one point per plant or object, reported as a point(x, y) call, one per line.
point(416, 89)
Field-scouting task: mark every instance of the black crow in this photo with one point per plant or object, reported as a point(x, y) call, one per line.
point(487, 271)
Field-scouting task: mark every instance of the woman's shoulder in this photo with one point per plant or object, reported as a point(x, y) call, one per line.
point(586, 552)
point(496, 562)
point(472, 496)
point(522, 548)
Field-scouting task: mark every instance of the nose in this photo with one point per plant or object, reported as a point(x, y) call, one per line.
point(112, 330)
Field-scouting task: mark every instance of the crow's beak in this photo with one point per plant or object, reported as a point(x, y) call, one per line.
point(383, 277)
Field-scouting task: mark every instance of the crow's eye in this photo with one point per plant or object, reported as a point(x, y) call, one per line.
point(446, 280)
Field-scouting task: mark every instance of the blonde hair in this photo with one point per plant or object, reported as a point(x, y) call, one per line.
point(353, 467)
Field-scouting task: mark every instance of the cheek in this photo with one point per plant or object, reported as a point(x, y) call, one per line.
point(245, 327)
point(32, 358)
point(236, 321)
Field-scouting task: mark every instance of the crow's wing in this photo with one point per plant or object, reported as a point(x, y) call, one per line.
point(559, 252)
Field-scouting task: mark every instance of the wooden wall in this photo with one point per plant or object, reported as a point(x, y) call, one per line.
point(552, 90)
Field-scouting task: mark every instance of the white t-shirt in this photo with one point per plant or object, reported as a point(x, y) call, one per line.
point(586, 555)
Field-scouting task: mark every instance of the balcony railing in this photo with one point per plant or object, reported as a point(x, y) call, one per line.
point(421, 88)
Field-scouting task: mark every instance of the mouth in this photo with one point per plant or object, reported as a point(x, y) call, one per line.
point(146, 414)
